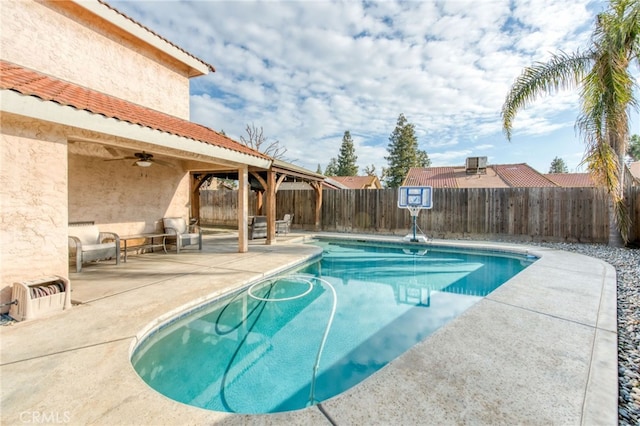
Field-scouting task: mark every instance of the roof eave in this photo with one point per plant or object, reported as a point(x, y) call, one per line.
point(33, 107)
point(197, 67)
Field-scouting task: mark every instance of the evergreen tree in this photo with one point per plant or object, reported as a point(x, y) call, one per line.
point(403, 153)
point(634, 148)
point(558, 166)
point(347, 157)
point(332, 167)
point(319, 169)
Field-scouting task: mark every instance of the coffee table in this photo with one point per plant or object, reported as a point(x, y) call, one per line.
point(149, 242)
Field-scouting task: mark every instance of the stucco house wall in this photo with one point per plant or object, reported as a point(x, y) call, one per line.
point(125, 199)
point(52, 173)
point(47, 181)
point(33, 201)
point(82, 49)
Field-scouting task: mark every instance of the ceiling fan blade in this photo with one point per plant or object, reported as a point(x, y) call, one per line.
point(162, 163)
point(123, 158)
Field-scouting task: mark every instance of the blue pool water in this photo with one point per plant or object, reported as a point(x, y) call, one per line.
point(306, 336)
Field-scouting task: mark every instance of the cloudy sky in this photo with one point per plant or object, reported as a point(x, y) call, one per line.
point(307, 70)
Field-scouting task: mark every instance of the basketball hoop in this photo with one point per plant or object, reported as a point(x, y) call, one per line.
point(414, 211)
point(414, 199)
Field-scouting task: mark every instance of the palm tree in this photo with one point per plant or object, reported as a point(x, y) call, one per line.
point(606, 93)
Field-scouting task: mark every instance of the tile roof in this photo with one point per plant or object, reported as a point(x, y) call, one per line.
point(488, 179)
point(357, 182)
point(522, 176)
point(496, 176)
point(571, 180)
point(437, 177)
point(31, 83)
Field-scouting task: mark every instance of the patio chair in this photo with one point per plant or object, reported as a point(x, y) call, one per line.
point(182, 234)
point(87, 244)
point(258, 227)
point(283, 226)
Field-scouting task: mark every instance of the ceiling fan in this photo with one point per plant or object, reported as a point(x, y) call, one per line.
point(143, 159)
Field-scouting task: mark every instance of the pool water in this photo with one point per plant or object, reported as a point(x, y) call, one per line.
point(306, 336)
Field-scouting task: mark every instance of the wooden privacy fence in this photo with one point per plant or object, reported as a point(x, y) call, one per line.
point(533, 214)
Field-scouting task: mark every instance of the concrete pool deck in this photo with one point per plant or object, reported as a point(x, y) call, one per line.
point(541, 349)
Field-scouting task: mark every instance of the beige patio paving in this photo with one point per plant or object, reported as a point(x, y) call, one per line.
point(541, 349)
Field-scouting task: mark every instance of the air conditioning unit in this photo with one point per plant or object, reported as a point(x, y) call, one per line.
point(476, 165)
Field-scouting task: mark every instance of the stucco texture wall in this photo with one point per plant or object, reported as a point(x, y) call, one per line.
point(123, 198)
point(33, 197)
point(42, 37)
point(44, 185)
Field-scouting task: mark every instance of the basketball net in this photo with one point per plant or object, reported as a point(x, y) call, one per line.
point(414, 210)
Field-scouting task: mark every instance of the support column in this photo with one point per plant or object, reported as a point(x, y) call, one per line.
point(243, 205)
point(317, 187)
point(259, 203)
point(271, 207)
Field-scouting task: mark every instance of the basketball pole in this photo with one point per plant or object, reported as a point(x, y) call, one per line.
point(414, 239)
point(414, 211)
point(414, 215)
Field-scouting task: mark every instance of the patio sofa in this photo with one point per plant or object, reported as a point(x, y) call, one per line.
point(258, 227)
point(88, 244)
point(284, 226)
point(181, 234)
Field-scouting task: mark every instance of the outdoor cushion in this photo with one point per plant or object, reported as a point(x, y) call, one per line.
point(173, 225)
point(182, 234)
point(87, 243)
point(258, 227)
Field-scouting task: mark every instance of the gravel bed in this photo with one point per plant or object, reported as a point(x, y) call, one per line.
point(627, 264)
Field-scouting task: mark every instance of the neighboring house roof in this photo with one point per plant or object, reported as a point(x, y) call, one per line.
point(31, 83)
point(436, 177)
point(453, 177)
point(330, 182)
point(359, 182)
point(496, 176)
point(571, 180)
point(521, 176)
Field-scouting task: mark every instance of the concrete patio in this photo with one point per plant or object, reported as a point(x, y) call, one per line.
point(541, 349)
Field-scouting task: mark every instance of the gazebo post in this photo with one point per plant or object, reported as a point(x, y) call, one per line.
point(271, 207)
point(317, 187)
point(243, 203)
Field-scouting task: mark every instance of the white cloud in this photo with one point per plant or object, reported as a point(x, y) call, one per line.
point(306, 71)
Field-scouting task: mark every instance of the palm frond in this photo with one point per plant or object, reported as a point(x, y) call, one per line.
point(602, 163)
point(563, 71)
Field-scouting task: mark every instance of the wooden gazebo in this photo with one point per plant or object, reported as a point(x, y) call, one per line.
point(265, 184)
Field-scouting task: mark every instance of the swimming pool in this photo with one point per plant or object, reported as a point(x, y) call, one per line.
point(308, 335)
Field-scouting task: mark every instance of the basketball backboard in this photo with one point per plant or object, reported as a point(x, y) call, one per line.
point(414, 196)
